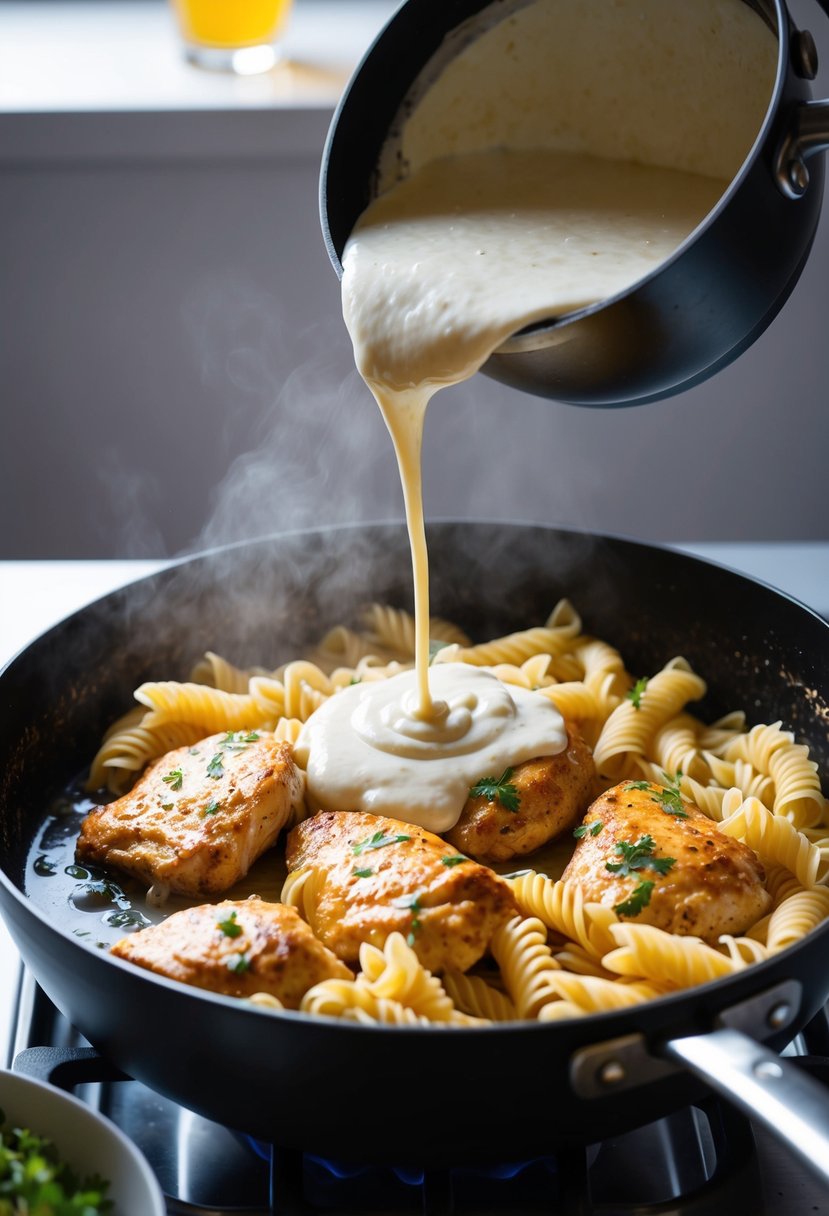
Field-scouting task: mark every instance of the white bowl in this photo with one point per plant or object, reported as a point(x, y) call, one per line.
point(85, 1140)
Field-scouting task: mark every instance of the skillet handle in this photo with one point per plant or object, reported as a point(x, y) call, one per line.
point(772, 1091)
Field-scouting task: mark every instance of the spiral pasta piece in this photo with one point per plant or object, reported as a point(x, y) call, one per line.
point(342, 647)
point(675, 748)
point(347, 999)
point(209, 708)
point(124, 754)
point(772, 836)
point(773, 751)
point(553, 638)
point(526, 961)
point(561, 907)
point(717, 736)
point(603, 668)
point(265, 1000)
point(780, 884)
point(739, 774)
point(560, 1011)
point(742, 950)
point(629, 731)
point(303, 689)
point(287, 730)
point(217, 672)
point(396, 973)
point(300, 890)
point(393, 629)
point(645, 952)
point(574, 701)
point(574, 958)
point(796, 916)
point(532, 674)
point(595, 995)
point(474, 996)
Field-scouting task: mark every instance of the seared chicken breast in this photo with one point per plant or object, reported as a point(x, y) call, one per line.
point(659, 860)
point(200, 816)
point(546, 797)
point(358, 877)
point(236, 947)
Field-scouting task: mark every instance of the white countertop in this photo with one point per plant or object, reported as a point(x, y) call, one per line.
point(36, 595)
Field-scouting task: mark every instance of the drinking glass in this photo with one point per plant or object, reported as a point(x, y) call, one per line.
point(239, 36)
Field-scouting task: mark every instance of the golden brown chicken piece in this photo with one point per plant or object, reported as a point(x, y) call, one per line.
point(704, 883)
point(237, 947)
point(200, 816)
point(550, 796)
point(368, 876)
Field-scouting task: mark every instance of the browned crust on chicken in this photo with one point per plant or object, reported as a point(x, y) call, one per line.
point(553, 792)
point(361, 893)
point(716, 885)
point(195, 823)
point(237, 947)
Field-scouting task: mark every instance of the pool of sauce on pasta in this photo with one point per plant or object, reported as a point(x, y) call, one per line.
point(98, 906)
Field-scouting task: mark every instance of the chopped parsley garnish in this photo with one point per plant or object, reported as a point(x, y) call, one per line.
point(454, 860)
point(167, 806)
point(211, 808)
point(105, 889)
point(215, 768)
point(237, 740)
point(502, 789)
point(355, 680)
point(237, 963)
point(639, 898)
point(378, 841)
point(366, 872)
point(593, 828)
point(229, 926)
point(194, 751)
point(635, 694)
point(670, 798)
point(34, 1179)
point(639, 856)
point(174, 779)
point(412, 902)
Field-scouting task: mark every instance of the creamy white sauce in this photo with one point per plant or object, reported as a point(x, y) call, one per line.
point(543, 165)
point(368, 748)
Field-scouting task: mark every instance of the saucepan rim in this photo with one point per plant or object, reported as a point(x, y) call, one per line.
point(527, 339)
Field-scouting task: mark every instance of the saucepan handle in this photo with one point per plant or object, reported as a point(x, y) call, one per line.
point(807, 134)
point(773, 1091)
point(808, 129)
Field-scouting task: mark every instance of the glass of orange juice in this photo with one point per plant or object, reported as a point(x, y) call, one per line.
point(240, 36)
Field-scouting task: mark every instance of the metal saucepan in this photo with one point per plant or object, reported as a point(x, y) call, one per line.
point(380, 1094)
point(698, 310)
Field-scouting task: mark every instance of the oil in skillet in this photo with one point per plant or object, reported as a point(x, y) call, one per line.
point(98, 905)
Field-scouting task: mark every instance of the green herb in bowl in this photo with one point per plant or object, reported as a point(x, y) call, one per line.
point(35, 1182)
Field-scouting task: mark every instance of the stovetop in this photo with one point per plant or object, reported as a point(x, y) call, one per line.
point(698, 1162)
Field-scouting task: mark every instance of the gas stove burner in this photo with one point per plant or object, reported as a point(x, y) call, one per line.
point(699, 1161)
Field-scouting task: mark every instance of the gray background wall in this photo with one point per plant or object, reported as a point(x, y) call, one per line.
point(175, 371)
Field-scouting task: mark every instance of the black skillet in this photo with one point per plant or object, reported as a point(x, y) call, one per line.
point(388, 1093)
